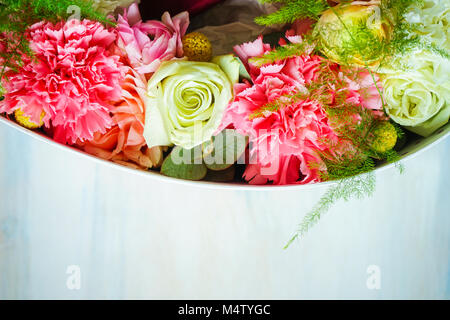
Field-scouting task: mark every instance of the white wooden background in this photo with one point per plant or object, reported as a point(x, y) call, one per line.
point(134, 236)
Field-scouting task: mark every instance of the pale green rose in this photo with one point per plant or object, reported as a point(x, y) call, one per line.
point(186, 101)
point(431, 20)
point(417, 96)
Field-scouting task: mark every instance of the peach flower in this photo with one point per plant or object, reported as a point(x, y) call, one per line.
point(124, 143)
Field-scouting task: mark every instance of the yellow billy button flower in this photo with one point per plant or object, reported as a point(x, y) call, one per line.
point(25, 121)
point(197, 47)
point(385, 137)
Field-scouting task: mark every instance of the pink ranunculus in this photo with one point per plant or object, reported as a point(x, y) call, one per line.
point(72, 78)
point(148, 44)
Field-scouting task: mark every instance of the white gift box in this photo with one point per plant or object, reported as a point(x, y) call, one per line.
point(74, 226)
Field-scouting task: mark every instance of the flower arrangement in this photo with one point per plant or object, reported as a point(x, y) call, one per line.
point(329, 100)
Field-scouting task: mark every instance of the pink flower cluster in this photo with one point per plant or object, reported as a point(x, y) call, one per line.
point(285, 139)
point(77, 72)
point(90, 83)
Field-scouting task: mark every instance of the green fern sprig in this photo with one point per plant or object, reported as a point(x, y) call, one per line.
point(353, 187)
point(399, 129)
point(292, 10)
point(287, 51)
point(281, 53)
point(27, 12)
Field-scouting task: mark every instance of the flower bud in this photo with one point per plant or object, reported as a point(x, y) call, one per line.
point(197, 47)
point(353, 33)
point(385, 137)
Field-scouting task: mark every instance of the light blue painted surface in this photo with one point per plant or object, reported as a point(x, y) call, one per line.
point(139, 237)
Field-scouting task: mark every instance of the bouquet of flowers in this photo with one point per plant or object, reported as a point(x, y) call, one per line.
point(329, 98)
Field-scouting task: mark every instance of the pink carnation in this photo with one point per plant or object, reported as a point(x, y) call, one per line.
point(148, 44)
point(72, 78)
point(250, 50)
point(281, 137)
point(284, 139)
point(284, 171)
point(363, 91)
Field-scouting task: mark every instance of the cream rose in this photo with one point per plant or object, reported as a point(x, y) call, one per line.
point(418, 97)
point(186, 101)
point(431, 20)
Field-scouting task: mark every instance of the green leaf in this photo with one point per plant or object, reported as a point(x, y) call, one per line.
point(229, 146)
point(243, 73)
point(207, 148)
point(184, 164)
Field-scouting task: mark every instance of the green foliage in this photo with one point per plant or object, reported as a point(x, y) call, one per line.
point(275, 105)
point(184, 164)
point(363, 41)
point(224, 150)
point(293, 10)
point(399, 129)
point(213, 160)
point(17, 15)
point(281, 53)
point(353, 187)
point(346, 166)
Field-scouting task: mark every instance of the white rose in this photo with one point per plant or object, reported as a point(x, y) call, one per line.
point(431, 19)
point(419, 97)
